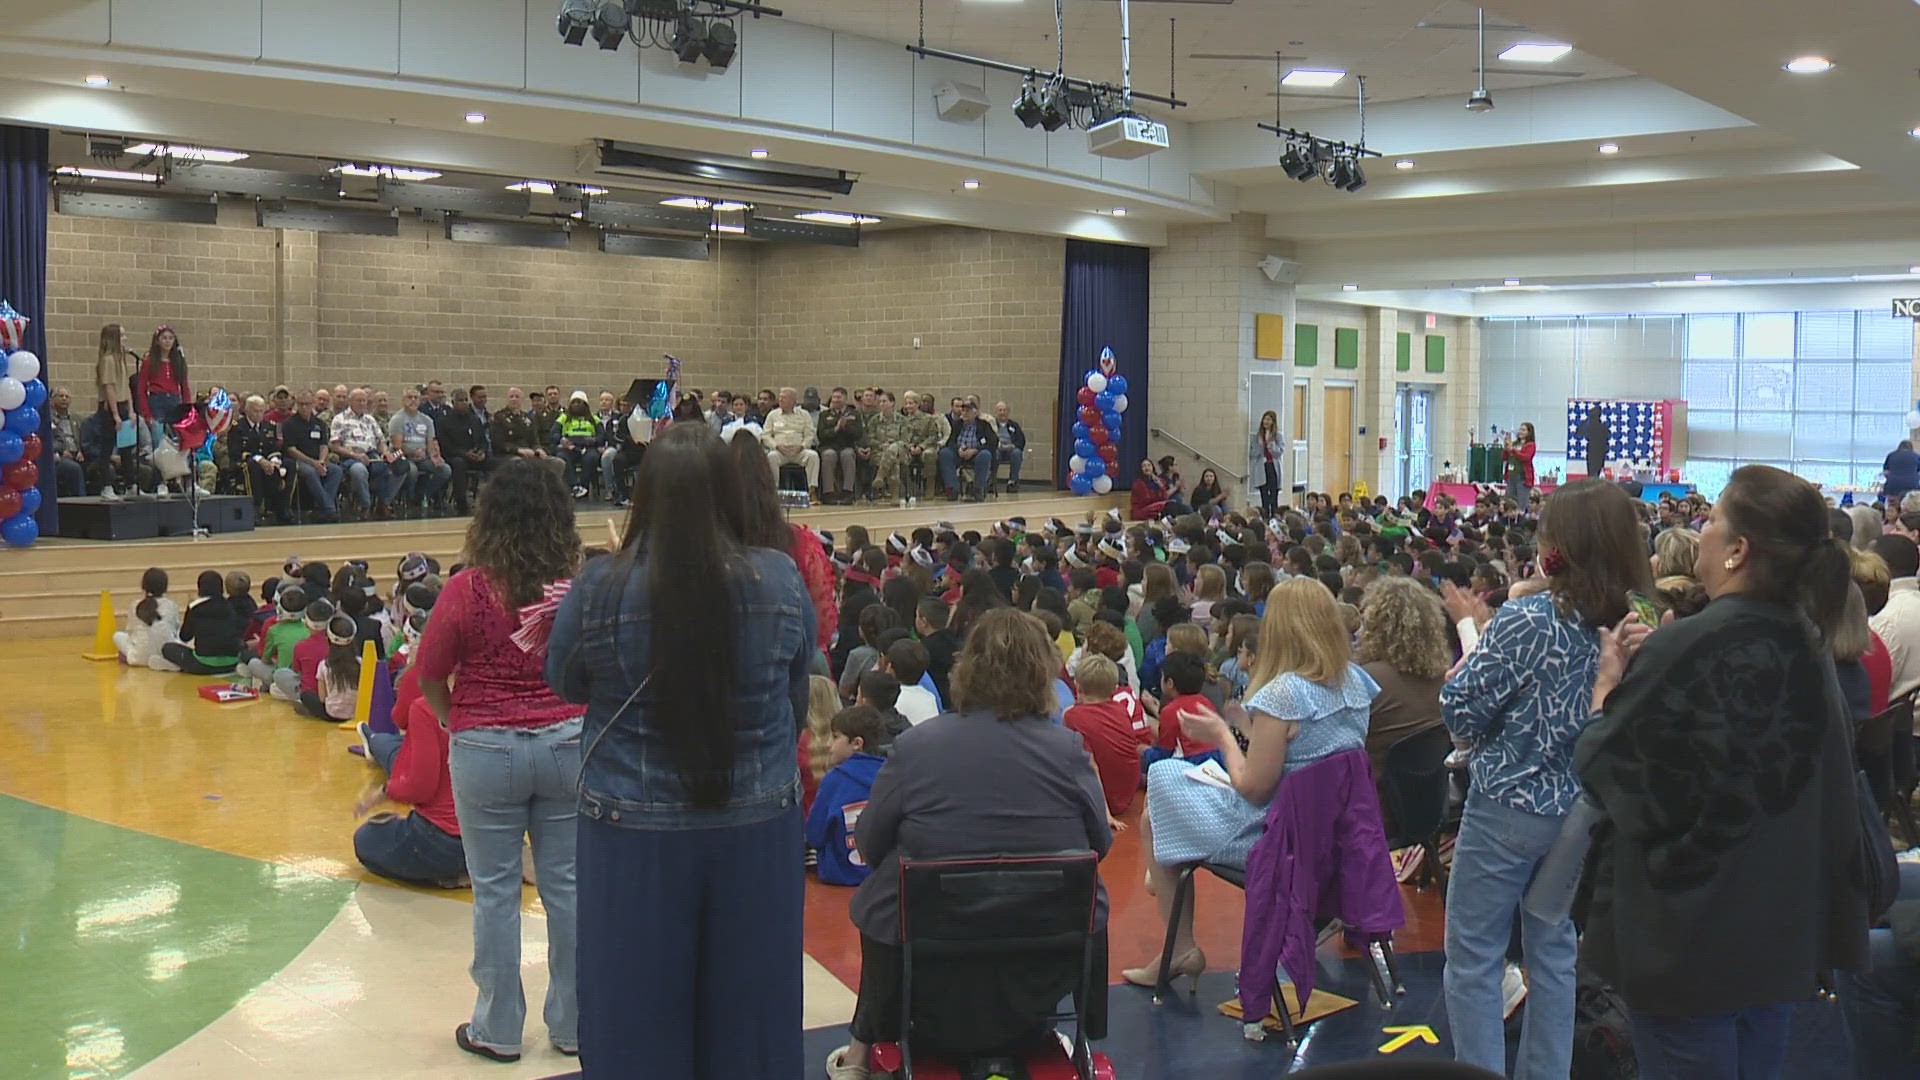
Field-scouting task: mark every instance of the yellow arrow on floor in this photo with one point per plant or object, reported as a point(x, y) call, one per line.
point(1404, 1036)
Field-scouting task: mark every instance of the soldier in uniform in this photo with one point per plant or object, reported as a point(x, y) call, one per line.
point(924, 435)
point(887, 447)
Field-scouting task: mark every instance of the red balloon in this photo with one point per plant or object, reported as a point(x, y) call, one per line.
point(1091, 416)
point(1098, 434)
point(32, 449)
point(20, 475)
point(9, 503)
point(1087, 396)
point(1110, 454)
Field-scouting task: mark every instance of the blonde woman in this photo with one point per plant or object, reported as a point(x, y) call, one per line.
point(1676, 553)
point(816, 739)
point(1403, 645)
point(1307, 700)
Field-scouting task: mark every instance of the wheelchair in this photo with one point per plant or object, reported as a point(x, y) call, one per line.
point(982, 907)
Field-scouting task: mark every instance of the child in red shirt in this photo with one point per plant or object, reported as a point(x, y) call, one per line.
point(1104, 724)
point(423, 847)
point(1182, 678)
point(307, 655)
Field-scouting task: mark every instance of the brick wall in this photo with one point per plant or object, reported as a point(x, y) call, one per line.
point(985, 306)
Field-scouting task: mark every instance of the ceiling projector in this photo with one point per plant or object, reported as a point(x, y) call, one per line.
point(1126, 137)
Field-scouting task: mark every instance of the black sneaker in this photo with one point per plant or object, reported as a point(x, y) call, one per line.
point(464, 1041)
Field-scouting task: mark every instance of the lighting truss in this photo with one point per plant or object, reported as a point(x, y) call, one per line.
point(1306, 155)
point(693, 30)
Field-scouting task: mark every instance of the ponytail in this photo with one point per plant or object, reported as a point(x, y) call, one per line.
point(1823, 583)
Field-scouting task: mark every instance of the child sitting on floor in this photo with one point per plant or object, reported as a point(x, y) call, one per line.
point(339, 673)
point(240, 596)
point(140, 644)
point(423, 847)
point(153, 586)
point(272, 668)
point(307, 655)
point(843, 794)
point(209, 642)
point(823, 701)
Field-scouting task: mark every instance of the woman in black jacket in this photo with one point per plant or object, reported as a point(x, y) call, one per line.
point(1723, 881)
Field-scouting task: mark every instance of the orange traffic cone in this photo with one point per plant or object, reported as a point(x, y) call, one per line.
point(363, 701)
point(103, 632)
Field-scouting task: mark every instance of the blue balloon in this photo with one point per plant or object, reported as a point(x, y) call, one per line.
point(1096, 468)
point(1080, 430)
point(1084, 448)
point(21, 530)
point(36, 393)
point(1117, 385)
point(1112, 420)
point(30, 501)
point(23, 421)
point(12, 447)
point(1081, 483)
point(1102, 401)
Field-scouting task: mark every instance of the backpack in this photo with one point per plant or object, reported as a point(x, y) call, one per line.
point(1602, 1037)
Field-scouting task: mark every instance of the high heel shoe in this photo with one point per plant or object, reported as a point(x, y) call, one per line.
point(1192, 964)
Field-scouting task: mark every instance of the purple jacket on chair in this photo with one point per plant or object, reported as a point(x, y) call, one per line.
point(1324, 854)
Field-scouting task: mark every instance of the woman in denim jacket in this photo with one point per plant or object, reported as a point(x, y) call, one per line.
point(691, 881)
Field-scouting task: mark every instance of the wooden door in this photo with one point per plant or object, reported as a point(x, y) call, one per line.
point(1336, 440)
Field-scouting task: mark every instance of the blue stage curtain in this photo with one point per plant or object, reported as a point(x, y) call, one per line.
point(23, 278)
point(1105, 306)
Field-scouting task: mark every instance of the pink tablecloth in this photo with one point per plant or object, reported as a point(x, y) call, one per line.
point(1468, 494)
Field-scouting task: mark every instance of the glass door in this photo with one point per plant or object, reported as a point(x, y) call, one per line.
point(1413, 438)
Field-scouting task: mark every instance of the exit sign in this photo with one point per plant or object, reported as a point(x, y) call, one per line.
point(1907, 309)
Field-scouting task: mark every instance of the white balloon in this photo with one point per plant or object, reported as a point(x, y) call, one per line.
point(12, 392)
point(1096, 382)
point(1913, 419)
point(1076, 463)
point(1102, 484)
point(1120, 403)
point(23, 365)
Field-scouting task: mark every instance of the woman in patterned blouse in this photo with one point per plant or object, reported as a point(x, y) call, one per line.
point(1519, 701)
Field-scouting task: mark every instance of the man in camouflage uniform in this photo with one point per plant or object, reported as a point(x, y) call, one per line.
point(887, 444)
point(923, 435)
point(868, 472)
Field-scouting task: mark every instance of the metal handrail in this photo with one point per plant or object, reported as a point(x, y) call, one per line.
point(1162, 433)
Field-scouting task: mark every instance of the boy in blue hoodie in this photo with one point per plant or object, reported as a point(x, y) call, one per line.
point(843, 794)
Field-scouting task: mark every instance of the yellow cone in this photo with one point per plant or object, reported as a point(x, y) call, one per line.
point(103, 632)
point(363, 701)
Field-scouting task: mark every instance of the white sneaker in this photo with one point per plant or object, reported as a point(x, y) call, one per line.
point(1513, 990)
point(839, 1068)
point(201, 493)
point(913, 503)
point(107, 494)
point(903, 504)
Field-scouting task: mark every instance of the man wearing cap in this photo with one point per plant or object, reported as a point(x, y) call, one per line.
point(1011, 440)
point(415, 438)
point(788, 436)
point(970, 445)
point(923, 434)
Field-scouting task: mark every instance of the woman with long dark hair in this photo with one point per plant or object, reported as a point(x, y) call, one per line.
point(1724, 888)
point(514, 750)
point(691, 876)
point(978, 595)
point(764, 524)
point(1518, 455)
point(1519, 702)
point(160, 386)
point(1264, 451)
point(903, 596)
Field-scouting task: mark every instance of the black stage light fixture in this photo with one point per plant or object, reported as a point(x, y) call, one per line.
point(610, 24)
point(1026, 107)
point(690, 39)
point(722, 41)
point(1053, 107)
point(576, 18)
point(1339, 172)
point(1296, 162)
point(1357, 177)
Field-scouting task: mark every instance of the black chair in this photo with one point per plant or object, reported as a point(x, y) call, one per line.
point(1011, 905)
point(1883, 747)
point(1413, 794)
point(1237, 877)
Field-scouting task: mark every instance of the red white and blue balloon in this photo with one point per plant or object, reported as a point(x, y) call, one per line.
point(22, 393)
point(1096, 428)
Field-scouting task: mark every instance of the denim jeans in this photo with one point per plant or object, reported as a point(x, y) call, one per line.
point(410, 849)
point(324, 490)
point(509, 783)
point(1882, 1004)
point(424, 479)
point(1494, 860)
point(384, 747)
point(1745, 1044)
point(950, 465)
point(1016, 457)
point(375, 483)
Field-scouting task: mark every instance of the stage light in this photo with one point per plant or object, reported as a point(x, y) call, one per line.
point(575, 19)
point(690, 40)
point(1339, 172)
point(1297, 161)
point(1480, 101)
point(1026, 107)
point(610, 24)
point(1053, 107)
point(722, 41)
point(1356, 176)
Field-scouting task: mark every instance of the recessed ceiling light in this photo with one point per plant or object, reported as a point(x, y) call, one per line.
point(1512, 281)
point(108, 174)
point(1349, 288)
point(835, 217)
point(1703, 277)
point(98, 81)
point(1403, 164)
point(1808, 65)
point(396, 172)
point(1320, 77)
point(194, 153)
point(688, 202)
point(1609, 148)
point(1535, 53)
point(1119, 211)
point(578, 214)
point(970, 185)
point(1913, 269)
point(757, 153)
point(476, 118)
point(726, 207)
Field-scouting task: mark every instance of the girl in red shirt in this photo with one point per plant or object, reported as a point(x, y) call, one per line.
point(1519, 457)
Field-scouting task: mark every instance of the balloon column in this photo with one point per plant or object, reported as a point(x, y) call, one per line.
point(1096, 434)
point(21, 396)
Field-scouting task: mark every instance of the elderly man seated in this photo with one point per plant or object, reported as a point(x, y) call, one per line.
point(789, 437)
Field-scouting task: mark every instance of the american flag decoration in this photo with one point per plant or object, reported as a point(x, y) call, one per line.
point(1640, 433)
point(536, 619)
point(13, 329)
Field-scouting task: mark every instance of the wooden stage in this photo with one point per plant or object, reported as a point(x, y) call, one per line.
point(53, 588)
